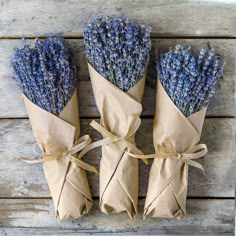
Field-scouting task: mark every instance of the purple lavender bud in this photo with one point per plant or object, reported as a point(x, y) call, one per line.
point(45, 73)
point(188, 80)
point(118, 49)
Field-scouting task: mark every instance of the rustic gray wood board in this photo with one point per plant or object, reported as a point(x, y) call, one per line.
point(205, 217)
point(19, 179)
point(168, 17)
point(26, 207)
point(223, 104)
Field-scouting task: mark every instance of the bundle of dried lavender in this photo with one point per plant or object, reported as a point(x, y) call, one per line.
point(45, 73)
point(118, 49)
point(46, 77)
point(189, 81)
point(118, 53)
point(186, 82)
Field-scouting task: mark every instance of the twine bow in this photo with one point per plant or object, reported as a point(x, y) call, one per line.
point(187, 157)
point(109, 138)
point(79, 145)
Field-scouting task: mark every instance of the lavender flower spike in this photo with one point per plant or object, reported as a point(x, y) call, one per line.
point(118, 49)
point(44, 73)
point(190, 81)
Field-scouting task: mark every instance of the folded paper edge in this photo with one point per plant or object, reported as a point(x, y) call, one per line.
point(60, 118)
point(130, 93)
point(201, 113)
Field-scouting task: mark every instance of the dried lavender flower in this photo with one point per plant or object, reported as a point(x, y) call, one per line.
point(45, 73)
point(118, 49)
point(189, 81)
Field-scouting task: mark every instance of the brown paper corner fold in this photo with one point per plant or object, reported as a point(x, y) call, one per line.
point(120, 116)
point(67, 182)
point(168, 179)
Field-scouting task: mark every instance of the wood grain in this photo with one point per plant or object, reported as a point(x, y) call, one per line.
point(19, 179)
point(166, 17)
point(223, 103)
point(25, 204)
point(36, 217)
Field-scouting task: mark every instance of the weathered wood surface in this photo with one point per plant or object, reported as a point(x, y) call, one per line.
point(204, 217)
point(19, 179)
point(181, 18)
point(223, 103)
point(25, 204)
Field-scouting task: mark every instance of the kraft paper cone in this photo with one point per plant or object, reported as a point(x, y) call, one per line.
point(67, 181)
point(175, 138)
point(119, 122)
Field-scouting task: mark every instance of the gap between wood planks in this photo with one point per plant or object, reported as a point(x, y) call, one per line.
point(153, 36)
point(140, 198)
point(98, 117)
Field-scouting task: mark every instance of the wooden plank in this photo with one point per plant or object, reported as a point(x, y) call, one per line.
point(223, 104)
point(192, 18)
point(36, 216)
point(19, 179)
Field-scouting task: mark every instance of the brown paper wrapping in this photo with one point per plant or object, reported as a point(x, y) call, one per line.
point(173, 133)
point(119, 122)
point(67, 181)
